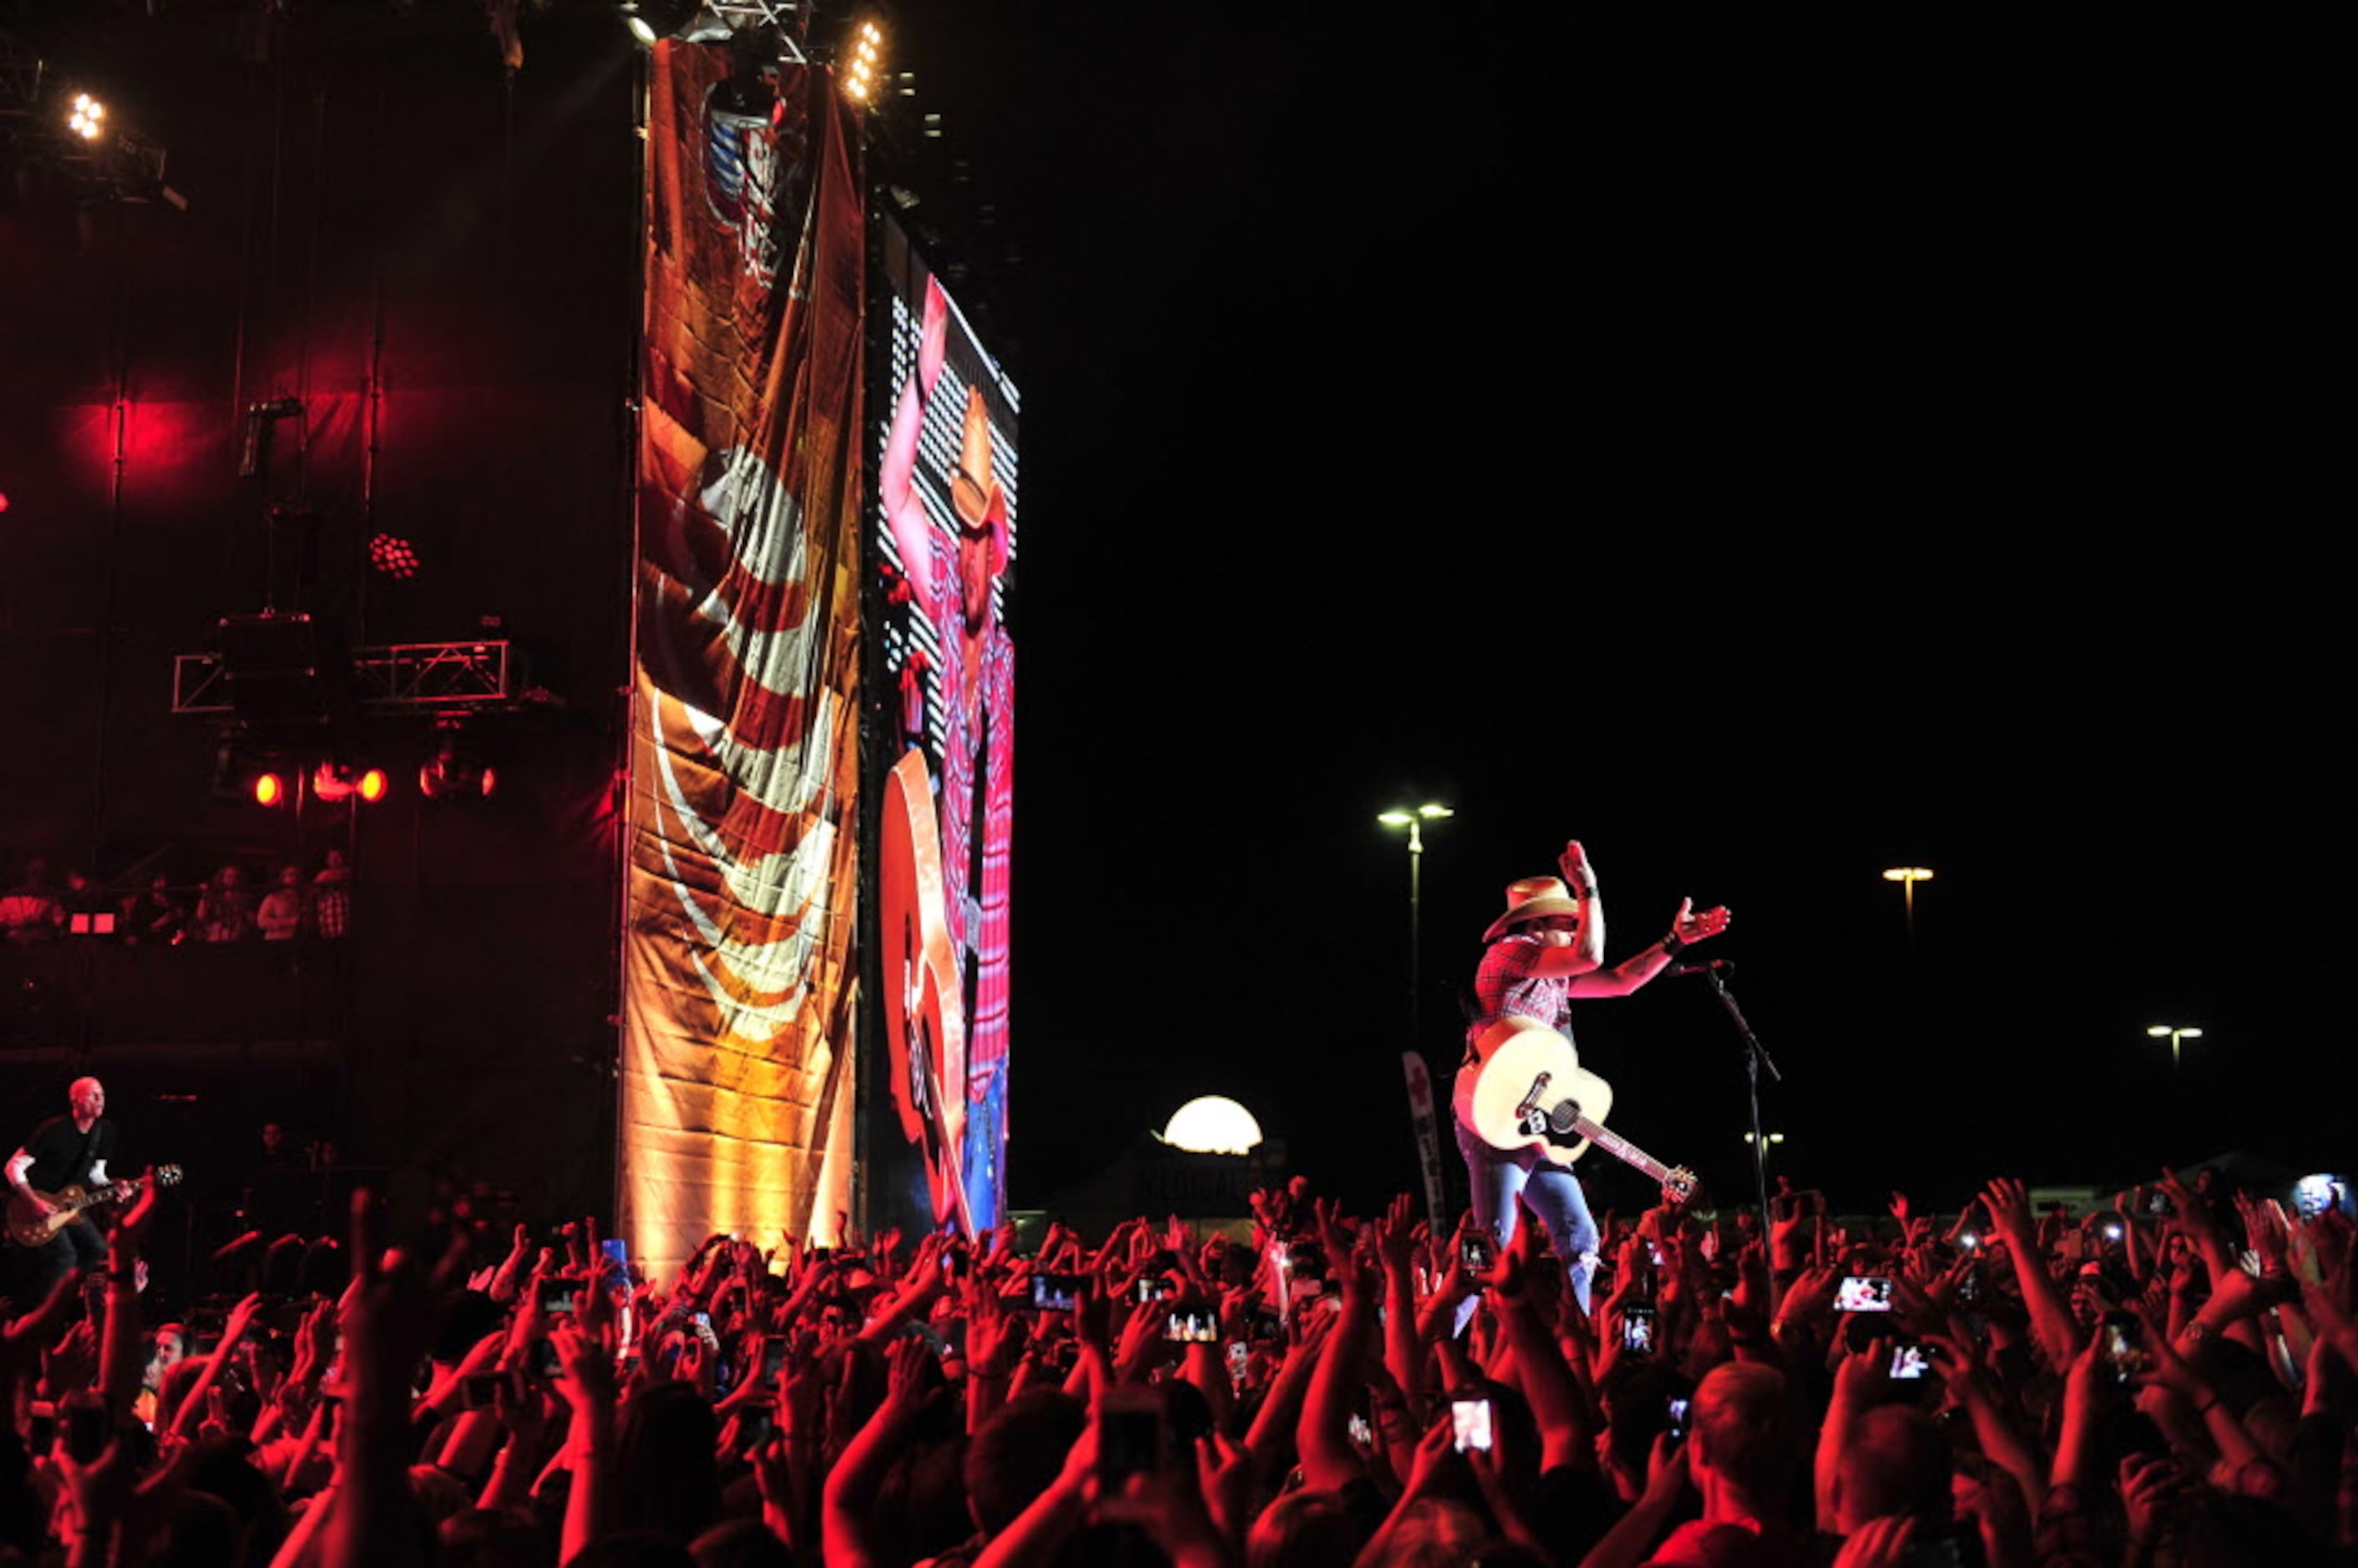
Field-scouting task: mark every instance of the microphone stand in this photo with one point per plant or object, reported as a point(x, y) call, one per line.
point(1755, 1056)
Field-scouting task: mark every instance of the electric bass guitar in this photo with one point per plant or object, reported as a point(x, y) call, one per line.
point(1529, 1091)
point(29, 1227)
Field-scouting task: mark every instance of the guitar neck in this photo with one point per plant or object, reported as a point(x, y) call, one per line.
point(1621, 1148)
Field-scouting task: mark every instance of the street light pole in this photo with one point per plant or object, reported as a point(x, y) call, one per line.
point(1908, 877)
point(1414, 821)
point(2174, 1034)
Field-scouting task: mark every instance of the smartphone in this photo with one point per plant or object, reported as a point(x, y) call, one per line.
point(1361, 1433)
point(1152, 1288)
point(1469, 1423)
point(1192, 1326)
point(1637, 1330)
point(1475, 1249)
point(1864, 1292)
point(1130, 1435)
point(2124, 1341)
point(1055, 1293)
point(1677, 1412)
point(86, 1433)
point(545, 1363)
point(953, 1265)
point(558, 1294)
point(1908, 1360)
point(1264, 1325)
point(756, 1426)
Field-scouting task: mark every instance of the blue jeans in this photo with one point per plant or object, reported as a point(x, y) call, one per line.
point(1553, 1192)
point(985, 1148)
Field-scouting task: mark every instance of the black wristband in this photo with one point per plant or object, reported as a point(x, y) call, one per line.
point(1672, 943)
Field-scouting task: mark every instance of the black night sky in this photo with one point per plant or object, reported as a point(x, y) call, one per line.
point(1767, 453)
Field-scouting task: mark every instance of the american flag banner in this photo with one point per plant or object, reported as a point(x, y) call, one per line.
point(738, 975)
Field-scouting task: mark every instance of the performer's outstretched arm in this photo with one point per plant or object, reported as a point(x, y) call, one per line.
point(1627, 976)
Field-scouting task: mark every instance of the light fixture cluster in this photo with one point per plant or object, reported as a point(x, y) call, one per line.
point(88, 118)
point(865, 68)
point(392, 555)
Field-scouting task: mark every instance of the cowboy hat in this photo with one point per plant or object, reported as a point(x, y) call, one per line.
point(1532, 898)
point(975, 493)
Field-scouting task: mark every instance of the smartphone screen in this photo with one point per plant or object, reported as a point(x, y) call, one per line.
point(1054, 1292)
point(1637, 1330)
point(2124, 1337)
point(1469, 1423)
point(1908, 1360)
point(556, 1295)
point(1864, 1292)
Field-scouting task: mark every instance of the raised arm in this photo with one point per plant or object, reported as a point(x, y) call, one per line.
point(1686, 928)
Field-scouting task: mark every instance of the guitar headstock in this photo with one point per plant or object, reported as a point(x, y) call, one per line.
point(1678, 1184)
point(165, 1175)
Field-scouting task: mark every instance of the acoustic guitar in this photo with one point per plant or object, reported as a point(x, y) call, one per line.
point(1528, 1090)
point(29, 1227)
point(925, 1013)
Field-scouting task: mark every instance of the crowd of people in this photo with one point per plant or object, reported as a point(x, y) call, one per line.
point(2170, 1381)
point(232, 906)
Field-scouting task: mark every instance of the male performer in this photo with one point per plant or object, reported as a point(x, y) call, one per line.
point(1546, 949)
point(66, 1150)
point(951, 580)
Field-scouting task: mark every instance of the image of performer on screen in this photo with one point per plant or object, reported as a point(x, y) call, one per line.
point(952, 574)
point(65, 1151)
point(1547, 949)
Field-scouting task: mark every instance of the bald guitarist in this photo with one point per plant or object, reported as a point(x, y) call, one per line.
point(1546, 950)
point(65, 1151)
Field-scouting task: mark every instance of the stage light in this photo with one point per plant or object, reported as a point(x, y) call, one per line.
point(88, 118)
point(269, 790)
point(392, 555)
point(1213, 1124)
point(652, 20)
point(864, 62)
point(456, 774)
point(373, 785)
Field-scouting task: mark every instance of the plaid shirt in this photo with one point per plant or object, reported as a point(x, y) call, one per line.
point(976, 774)
point(1505, 986)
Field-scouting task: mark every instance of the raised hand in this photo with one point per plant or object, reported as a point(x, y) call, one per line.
point(1574, 863)
point(1689, 926)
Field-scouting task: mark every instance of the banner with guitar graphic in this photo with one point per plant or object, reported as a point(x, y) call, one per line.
point(739, 993)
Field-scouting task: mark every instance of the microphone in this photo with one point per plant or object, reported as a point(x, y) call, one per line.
point(1704, 967)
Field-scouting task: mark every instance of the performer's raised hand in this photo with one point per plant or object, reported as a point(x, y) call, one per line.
point(1573, 864)
point(1688, 926)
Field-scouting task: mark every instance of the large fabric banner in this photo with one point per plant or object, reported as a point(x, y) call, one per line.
point(738, 989)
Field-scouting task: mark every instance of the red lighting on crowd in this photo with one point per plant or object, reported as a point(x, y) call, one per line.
point(373, 785)
point(394, 556)
point(269, 790)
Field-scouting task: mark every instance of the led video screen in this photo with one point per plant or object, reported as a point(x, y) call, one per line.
point(943, 419)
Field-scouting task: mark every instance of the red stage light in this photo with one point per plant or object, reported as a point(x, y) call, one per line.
point(392, 555)
point(373, 785)
point(269, 790)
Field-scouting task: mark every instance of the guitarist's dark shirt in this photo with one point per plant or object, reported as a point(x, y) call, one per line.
point(63, 1154)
